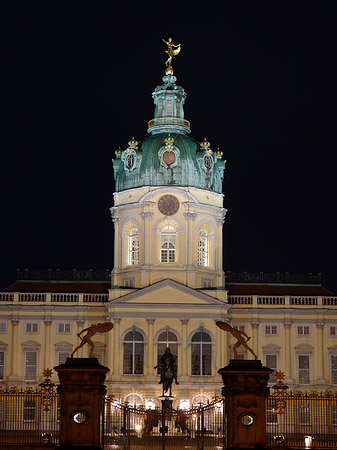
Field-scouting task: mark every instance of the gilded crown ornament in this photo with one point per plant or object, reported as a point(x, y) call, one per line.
point(133, 143)
point(218, 153)
point(172, 50)
point(205, 144)
point(118, 152)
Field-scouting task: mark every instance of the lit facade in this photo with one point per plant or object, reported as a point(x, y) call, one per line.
point(168, 287)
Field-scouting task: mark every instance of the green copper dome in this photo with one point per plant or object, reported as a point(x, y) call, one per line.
point(169, 156)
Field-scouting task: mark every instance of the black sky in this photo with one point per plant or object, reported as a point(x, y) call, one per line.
point(261, 85)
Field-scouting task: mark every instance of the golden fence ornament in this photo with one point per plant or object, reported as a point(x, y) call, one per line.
point(280, 392)
point(47, 390)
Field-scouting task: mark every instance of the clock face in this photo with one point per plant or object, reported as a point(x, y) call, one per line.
point(168, 205)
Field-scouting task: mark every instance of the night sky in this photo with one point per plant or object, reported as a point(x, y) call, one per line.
point(260, 83)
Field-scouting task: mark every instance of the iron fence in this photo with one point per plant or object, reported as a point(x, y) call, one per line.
point(29, 416)
point(127, 428)
point(302, 419)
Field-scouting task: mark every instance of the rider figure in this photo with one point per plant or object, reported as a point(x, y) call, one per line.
point(167, 367)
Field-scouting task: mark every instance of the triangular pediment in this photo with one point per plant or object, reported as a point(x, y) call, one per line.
point(168, 292)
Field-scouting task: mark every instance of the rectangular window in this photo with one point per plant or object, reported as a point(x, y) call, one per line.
point(303, 330)
point(169, 108)
point(332, 331)
point(32, 327)
point(270, 330)
point(30, 365)
point(304, 415)
point(2, 365)
point(334, 369)
point(271, 362)
point(64, 328)
point(239, 327)
point(29, 410)
point(303, 369)
point(206, 283)
point(334, 414)
point(63, 357)
point(271, 412)
point(129, 282)
point(3, 326)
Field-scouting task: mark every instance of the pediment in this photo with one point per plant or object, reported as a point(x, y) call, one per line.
point(169, 292)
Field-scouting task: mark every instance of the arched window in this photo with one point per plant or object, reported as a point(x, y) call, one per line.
point(201, 351)
point(200, 400)
point(203, 248)
point(134, 400)
point(167, 339)
point(168, 243)
point(133, 355)
point(133, 247)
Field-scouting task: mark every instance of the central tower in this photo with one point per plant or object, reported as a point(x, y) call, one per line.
point(168, 205)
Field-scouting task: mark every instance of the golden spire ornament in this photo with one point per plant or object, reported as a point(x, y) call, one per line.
point(172, 50)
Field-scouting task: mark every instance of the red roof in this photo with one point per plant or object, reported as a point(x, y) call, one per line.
point(276, 289)
point(92, 287)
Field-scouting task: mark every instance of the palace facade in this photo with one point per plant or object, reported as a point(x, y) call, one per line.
point(168, 287)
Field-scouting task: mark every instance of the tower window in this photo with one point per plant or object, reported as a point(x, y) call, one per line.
point(133, 247)
point(203, 248)
point(168, 244)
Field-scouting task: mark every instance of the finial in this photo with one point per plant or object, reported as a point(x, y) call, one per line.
point(172, 50)
point(118, 152)
point(133, 143)
point(205, 144)
point(218, 153)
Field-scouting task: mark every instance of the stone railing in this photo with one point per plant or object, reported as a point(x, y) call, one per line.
point(270, 300)
point(48, 298)
point(240, 300)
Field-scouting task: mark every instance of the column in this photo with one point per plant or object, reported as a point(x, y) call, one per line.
point(184, 322)
point(47, 350)
point(218, 348)
point(116, 369)
point(150, 349)
point(117, 240)
point(14, 350)
point(189, 217)
point(109, 350)
point(80, 323)
point(255, 344)
point(147, 217)
point(218, 255)
point(320, 353)
point(288, 350)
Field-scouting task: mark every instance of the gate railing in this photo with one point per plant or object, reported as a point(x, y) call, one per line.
point(28, 416)
point(302, 419)
point(199, 428)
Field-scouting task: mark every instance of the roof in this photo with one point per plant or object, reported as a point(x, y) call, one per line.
point(92, 287)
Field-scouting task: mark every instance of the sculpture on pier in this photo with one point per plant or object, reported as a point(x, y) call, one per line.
point(241, 337)
point(91, 331)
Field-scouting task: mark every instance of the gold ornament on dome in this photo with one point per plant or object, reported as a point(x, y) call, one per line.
point(118, 152)
point(218, 153)
point(205, 144)
point(133, 143)
point(168, 142)
point(172, 50)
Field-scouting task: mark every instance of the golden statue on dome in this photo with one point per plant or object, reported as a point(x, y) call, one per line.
point(172, 50)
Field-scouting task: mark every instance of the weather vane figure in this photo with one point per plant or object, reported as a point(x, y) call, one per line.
point(241, 337)
point(172, 50)
point(91, 331)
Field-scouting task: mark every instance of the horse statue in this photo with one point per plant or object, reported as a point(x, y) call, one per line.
point(168, 371)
